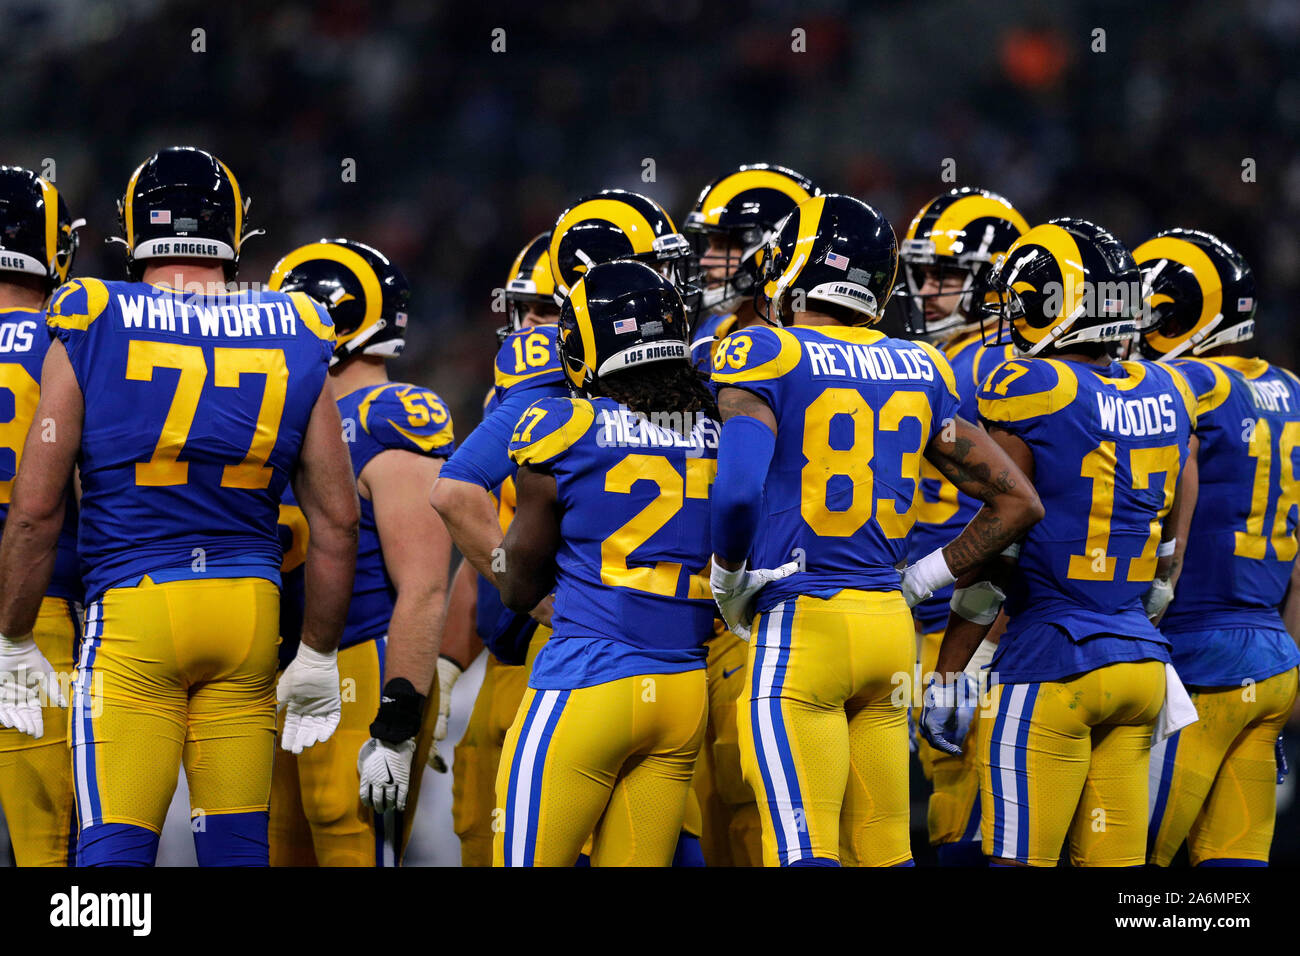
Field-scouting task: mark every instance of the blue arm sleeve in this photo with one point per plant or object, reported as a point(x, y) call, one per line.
point(484, 457)
point(744, 454)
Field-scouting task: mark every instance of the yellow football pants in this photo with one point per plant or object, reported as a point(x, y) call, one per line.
point(954, 808)
point(36, 775)
point(1069, 758)
point(172, 672)
point(823, 728)
point(1214, 782)
point(731, 834)
point(477, 756)
point(317, 817)
point(613, 761)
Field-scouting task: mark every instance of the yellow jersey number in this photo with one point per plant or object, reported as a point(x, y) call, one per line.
point(530, 352)
point(616, 550)
point(1253, 543)
point(855, 462)
point(26, 392)
point(164, 467)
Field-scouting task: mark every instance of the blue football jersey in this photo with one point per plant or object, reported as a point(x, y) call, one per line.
point(1242, 542)
point(706, 336)
point(195, 409)
point(855, 411)
point(941, 510)
point(1108, 446)
point(632, 581)
point(23, 344)
point(528, 359)
point(390, 416)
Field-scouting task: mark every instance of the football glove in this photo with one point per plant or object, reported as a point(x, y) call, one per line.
point(1157, 598)
point(385, 771)
point(448, 673)
point(947, 711)
point(928, 575)
point(1279, 751)
point(309, 692)
point(735, 590)
point(24, 675)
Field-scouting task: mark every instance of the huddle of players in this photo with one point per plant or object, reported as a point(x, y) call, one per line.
point(626, 717)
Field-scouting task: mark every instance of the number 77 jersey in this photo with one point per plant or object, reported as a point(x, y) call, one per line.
point(1108, 445)
point(195, 410)
point(855, 411)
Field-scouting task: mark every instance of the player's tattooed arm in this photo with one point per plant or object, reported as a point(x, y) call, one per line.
point(733, 402)
point(40, 490)
point(531, 543)
point(985, 466)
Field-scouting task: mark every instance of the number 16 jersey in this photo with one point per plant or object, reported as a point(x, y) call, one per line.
point(195, 410)
point(855, 411)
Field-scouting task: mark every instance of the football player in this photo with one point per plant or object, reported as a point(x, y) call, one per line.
point(729, 227)
point(1083, 676)
point(398, 435)
point(476, 616)
point(1213, 783)
point(948, 250)
point(38, 240)
point(187, 408)
point(611, 513)
point(826, 422)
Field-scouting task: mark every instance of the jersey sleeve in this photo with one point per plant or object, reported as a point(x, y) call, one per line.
point(1209, 383)
point(73, 308)
point(408, 418)
point(316, 320)
point(1020, 392)
point(528, 358)
point(755, 359)
point(547, 429)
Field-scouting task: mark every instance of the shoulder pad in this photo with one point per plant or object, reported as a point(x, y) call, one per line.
point(408, 417)
point(1025, 388)
point(548, 427)
point(76, 304)
point(313, 316)
point(755, 354)
point(1209, 382)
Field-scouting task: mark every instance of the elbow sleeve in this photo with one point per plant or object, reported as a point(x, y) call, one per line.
point(744, 454)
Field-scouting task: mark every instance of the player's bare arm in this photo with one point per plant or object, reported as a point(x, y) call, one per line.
point(327, 493)
point(417, 554)
point(981, 467)
point(470, 515)
point(1178, 523)
point(732, 403)
point(40, 491)
point(531, 543)
point(460, 640)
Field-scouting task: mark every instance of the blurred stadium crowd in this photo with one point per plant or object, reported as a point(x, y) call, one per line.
point(462, 153)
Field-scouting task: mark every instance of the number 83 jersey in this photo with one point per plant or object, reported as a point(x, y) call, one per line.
point(195, 409)
point(1108, 444)
point(855, 411)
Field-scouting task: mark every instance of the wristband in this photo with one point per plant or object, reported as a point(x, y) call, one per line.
point(931, 572)
point(978, 603)
point(1166, 548)
point(314, 658)
point(400, 707)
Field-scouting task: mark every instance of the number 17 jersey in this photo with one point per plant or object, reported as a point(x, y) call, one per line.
point(855, 411)
point(195, 410)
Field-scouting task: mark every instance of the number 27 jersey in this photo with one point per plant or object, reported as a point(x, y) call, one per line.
point(855, 411)
point(195, 410)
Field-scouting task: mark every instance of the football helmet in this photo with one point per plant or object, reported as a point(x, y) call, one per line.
point(530, 284)
point(1063, 283)
point(957, 237)
point(738, 212)
point(833, 250)
point(183, 202)
point(38, 237)
point(1200, 291)
point(616, 224)
point(617, 316)
point(365, 294)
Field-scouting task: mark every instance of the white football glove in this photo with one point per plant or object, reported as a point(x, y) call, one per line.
point(928, 575)
point(1157, 598)
point(735, 590)
point(385, 773)
point(448, 673)
point(309, 692)
point(25, 677)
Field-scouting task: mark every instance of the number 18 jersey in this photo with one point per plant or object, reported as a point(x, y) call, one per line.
point(195, 409)
point(855, 411)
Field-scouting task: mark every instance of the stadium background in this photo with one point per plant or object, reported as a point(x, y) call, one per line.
point(462, 153)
